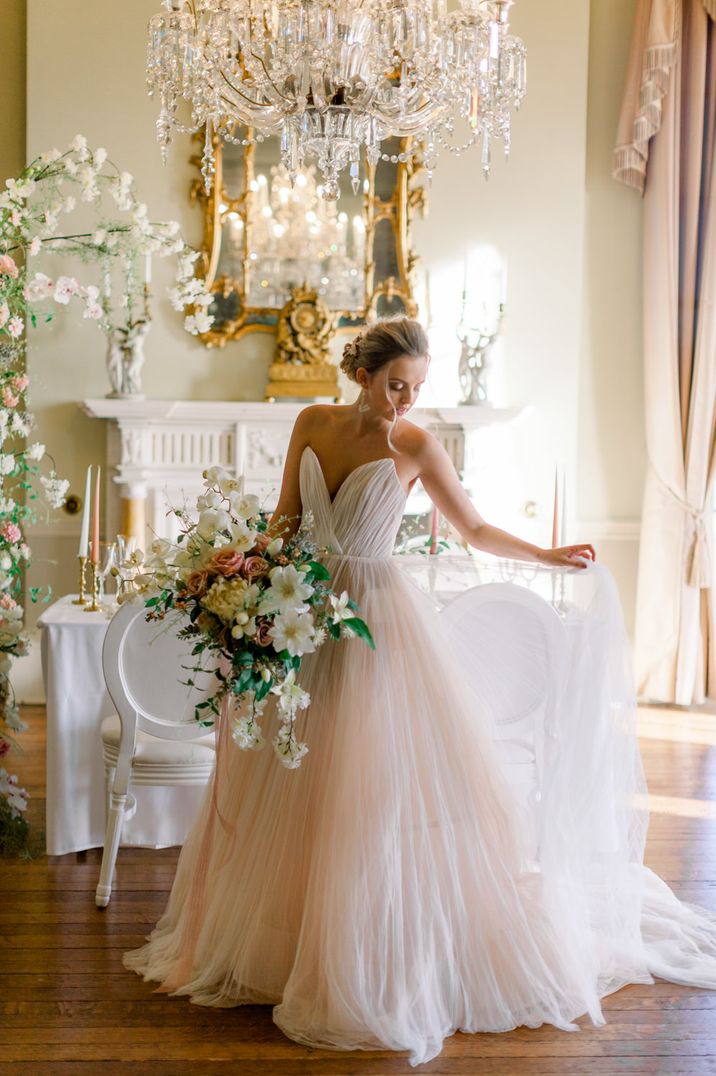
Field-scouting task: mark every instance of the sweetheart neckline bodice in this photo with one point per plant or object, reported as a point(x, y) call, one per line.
point(332, 500)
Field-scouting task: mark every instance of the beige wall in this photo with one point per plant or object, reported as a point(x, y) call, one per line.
point(570, 236)
point(611, 449)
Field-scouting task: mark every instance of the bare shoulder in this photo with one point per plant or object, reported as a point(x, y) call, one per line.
point(314, 415)
point(421, 445)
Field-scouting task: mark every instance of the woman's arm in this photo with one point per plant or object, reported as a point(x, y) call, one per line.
point(442, 485)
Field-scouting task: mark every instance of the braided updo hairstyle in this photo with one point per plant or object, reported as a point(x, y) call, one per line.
point(383, 341)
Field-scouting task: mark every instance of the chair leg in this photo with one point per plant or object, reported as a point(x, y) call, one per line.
point(110, 773)
point(115, 817)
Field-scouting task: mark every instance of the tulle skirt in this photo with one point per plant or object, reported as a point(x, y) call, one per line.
point(395, 888)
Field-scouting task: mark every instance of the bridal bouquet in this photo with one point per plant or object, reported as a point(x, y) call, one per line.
point(253, 603)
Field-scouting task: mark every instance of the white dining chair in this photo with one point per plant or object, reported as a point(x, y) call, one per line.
point(513, 644)
point(153, 739)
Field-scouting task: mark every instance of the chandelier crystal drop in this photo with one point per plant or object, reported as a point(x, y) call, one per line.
point(334, 78)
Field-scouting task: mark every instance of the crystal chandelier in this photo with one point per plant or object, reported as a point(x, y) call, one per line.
point(331, 77)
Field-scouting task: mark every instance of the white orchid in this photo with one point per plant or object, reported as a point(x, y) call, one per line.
point(288, 591)
point(17, 797)
point(293, 631)
point(243, 536)
point(211, 522)
point(245, 505)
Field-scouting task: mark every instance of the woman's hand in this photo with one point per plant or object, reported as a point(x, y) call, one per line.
point(568, 556)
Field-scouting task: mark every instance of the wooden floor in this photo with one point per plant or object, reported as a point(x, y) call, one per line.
point(68, 1006)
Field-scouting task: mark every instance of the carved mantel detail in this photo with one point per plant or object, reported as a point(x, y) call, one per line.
point(157, 449)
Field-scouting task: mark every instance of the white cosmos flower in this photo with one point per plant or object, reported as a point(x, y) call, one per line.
point(7, 463)
point(36, 451)
point(288, 591)
point(15, 327)
point(293, 631)
point(35, 246)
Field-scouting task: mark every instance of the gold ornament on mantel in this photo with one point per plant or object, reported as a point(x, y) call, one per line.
point(302, 365)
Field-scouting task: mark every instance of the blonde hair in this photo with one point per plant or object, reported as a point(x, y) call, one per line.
point(383, 341)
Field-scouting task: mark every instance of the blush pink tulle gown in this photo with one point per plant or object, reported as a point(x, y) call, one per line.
point(384, 895)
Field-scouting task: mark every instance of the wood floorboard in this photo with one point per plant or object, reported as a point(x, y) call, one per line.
point(69, 1008)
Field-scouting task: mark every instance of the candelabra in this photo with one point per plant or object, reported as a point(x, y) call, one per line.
point(476, 345)
point(94, 606)
point(81, 599)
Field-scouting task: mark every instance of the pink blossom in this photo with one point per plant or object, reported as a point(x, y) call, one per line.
point(8, 267)
point(4, 746)
point(35, 246)
point(4, 314)
point(15, 326)
point(65, 288)
point(8, 398)
point(7, 602)
point(11, 532)
point(20, 382)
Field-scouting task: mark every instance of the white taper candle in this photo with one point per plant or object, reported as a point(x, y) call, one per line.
point(84, 530)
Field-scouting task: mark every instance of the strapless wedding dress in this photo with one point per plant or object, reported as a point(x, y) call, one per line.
point(384, 894)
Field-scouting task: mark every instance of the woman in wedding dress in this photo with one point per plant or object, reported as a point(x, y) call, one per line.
point(384, 895)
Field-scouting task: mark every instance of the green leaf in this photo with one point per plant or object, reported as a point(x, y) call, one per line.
point(151, 602)
point(318, 571)
point(360, 628)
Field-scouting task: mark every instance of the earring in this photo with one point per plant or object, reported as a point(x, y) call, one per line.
point(362, 405)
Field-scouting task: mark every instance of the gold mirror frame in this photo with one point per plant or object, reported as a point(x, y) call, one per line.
point(398, 209)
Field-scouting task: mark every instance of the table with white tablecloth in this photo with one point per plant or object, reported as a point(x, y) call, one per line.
point(77, 702)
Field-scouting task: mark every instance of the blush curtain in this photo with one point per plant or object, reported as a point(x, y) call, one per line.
point(665, 149)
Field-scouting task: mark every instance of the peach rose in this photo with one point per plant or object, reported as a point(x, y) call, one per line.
point(8, 266)
point(226, 562)
point(254, 568)
point(197, 583)
point(263, 632)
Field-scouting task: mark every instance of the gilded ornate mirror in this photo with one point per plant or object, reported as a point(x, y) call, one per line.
point(263, 237)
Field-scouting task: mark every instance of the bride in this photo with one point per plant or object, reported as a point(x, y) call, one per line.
point(383, 895)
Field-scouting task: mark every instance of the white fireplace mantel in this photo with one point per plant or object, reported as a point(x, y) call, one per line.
point(157, 449)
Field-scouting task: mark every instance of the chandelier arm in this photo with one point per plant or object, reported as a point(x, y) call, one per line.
point(254, 104)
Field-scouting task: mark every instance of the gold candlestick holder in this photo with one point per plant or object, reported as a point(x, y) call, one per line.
point(81, 600)
point(94, 606)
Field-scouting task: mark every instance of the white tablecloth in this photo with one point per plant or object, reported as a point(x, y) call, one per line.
point(77, 701)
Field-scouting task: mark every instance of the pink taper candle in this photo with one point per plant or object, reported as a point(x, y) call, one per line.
point(555, 514)
point(95, 519)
